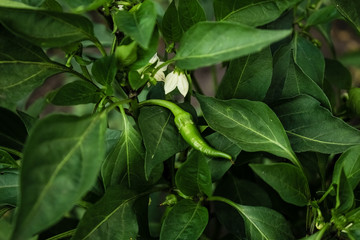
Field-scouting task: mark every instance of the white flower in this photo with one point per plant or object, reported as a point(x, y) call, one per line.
point(159, 75)
point(176, 79)
point(121, 7)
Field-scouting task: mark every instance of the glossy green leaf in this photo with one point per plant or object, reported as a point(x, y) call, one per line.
point(77, 92)
point(46, 28)
point(197, 48)
point(349, 161)
point(353, 101)
point(323, 15)
point(344, 193)
point(23, 68)
point(247, 77)
point(350, 9)
point(113, 215)
point(161, 137)
point(242, 192)
point(261, 222)
point(251, 125)
point(245, 11)
point(171, 27)
point(303, 50)
point(104, 70)
point(337, 74)
point(84, 5)
point(219, 166)
point(9, 187)
point(289, 80)
point(144, 55)
point(62, 156)
point(186, 220)
point(311, 127)
point(194, 177)
point(287, 180)
point(190, 12)
point(126, 54)
point(124, 162)
point(12, 130)
point(7, 161)
point(139, 24)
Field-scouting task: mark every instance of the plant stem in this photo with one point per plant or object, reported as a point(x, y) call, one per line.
point(117, 104)
point(12, 151)
point(330, 189)
point(99, 46)
point(160, 66)
point(63, 235)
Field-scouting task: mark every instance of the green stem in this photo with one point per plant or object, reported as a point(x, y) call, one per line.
point(63, 235)
point(175, 109)
point(99, 46)
point(12, 151)
point(117, 104)
point(330, 189)
point(222, 199)
point(161, 65)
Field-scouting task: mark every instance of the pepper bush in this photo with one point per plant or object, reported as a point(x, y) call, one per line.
point(143, 153)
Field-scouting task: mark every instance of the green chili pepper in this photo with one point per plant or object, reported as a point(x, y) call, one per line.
point(187, 128)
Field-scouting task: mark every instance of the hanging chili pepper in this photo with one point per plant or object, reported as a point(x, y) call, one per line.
point(187, 128)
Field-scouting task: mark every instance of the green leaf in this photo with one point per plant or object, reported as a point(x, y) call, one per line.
point(112, 215)
point(23, 68)
point(194, 176)
point(247, 77)
point(125, 161)
point(242, 192)
point(261, 222)
point(9, 187)
point(171, 27)
point(144, 55)
point(244, 11)
point(323, 15)
point(289, 80)
point(84, 5)
point(349, 161)
point(12, 130)
point(344, 193)
point(197, 48)
point(190, 12)
point(77, 92)
point(186, 220)
point(46, 28)
point(139, 24)
point(104, 70)
point(126, 54)
point(6, 160)
point(353, 101)
point(62, 156)
point(303, 50)
point(350, 9)
point(251, 125)
point(337, 74)
point(218, 167)
point(311, 127)
point(287, 180)
point(161, 137)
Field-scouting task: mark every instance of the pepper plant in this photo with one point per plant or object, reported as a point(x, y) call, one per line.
point(142, 153)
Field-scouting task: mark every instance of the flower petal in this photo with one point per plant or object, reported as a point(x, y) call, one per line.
point(154, 59)
point(160, 76)
point(170, 82)
point(183, 84)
